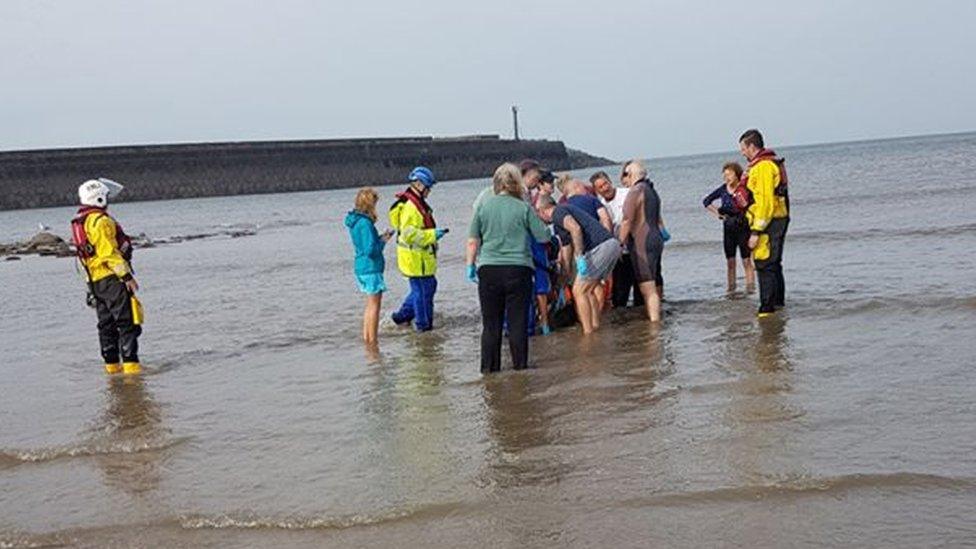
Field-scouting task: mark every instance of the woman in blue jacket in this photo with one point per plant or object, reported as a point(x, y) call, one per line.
point(369, 265)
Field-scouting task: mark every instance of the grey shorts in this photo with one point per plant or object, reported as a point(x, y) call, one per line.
point(601, 260)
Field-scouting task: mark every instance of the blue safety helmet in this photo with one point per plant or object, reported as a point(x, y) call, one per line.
point(424, 175)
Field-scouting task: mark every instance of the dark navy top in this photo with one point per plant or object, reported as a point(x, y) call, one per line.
point(594, 233)
point(728, 206)
point(587, 203)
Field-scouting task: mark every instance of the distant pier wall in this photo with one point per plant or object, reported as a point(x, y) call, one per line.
point(42, 178)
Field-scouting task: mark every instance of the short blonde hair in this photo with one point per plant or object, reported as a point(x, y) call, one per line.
point(508, 180)
point(366, 200)
point(561, 182)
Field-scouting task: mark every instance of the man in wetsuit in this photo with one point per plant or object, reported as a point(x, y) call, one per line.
point(768, 217)
point(642, 231)
point(595, 252)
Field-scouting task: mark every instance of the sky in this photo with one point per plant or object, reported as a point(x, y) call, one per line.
point(617, 78)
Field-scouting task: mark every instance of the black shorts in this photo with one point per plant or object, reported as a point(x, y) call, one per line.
point(735, 234)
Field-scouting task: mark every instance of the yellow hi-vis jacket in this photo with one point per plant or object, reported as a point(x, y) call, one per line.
point(107, 259)
point(763, 178)
point(416, 245)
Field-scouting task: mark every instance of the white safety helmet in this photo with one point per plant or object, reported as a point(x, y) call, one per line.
point(96, 192)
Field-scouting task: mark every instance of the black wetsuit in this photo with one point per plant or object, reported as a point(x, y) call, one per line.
point(735, 228)
point(645, 242)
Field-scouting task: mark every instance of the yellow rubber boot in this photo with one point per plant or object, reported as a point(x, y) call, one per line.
point(131, 368)
point(112, 369)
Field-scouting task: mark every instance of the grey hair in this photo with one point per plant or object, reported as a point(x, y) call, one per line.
point(640, 172)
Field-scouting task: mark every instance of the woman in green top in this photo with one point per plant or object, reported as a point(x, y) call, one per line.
point(504, 267)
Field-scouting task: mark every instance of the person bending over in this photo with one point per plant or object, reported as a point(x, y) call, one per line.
point(594, 250)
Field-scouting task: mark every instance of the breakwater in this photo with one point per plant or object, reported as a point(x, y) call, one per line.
point(41, 178)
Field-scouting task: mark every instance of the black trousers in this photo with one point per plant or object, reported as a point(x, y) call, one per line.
point(117, 335)
point(623, 284)
point(769, 271)
point(502, 287)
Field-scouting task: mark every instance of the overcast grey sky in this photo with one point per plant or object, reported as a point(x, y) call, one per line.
point(617, 78)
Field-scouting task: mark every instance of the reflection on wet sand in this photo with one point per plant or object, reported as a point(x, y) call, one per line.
point(516, 424)
point(532, 414)
point(760, 407)
point(131, 423)
point(761, 414)
point(522, 457)
point(407, 414)
point(772, 347)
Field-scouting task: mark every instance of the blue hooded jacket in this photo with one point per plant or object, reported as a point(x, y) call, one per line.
point(366, 240)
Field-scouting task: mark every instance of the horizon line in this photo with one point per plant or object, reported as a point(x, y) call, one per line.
point(822, 143)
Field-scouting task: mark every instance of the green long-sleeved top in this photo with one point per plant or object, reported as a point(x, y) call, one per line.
point(503, 224)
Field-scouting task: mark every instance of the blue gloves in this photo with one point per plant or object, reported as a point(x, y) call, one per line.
point(472, 274)
point(581, 267)
point(665, 235)
point(439, 233)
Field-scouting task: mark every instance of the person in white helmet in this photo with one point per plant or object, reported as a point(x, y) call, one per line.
point(104, 252)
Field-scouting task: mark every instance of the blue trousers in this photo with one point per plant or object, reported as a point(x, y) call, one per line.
point(419, 303)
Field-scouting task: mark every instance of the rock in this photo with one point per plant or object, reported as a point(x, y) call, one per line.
point(48, 244)
point(44, 244)
point(142, 241)
point(12, 258)
point(45, 239)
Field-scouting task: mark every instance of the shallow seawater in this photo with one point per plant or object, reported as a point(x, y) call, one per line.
point(850, 419)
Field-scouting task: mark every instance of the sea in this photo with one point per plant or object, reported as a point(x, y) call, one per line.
point(261, 420)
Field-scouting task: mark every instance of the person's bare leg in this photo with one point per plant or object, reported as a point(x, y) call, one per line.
point(542, 303)
point(600, 294)
point(730, 275)
point(365, 334)
point(371, 318)
point(582, 297)
point(652, 301)
point(750, 269)
point(655, 304)
point(596, 305)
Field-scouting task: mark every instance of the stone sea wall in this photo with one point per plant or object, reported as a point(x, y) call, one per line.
point(33, 179)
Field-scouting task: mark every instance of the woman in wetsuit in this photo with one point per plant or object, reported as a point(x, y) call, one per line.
point(641, 232)
point(735, 229)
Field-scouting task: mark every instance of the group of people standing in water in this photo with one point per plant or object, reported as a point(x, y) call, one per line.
point(531, 254)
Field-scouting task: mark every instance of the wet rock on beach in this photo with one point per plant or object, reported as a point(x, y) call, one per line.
point(43, 243)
